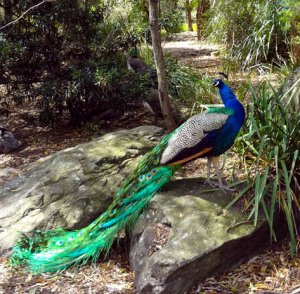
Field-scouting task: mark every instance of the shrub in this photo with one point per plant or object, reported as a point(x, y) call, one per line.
point(68, 56)
point(254, 35)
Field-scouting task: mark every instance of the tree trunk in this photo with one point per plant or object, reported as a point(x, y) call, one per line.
point(160, 66)
point(188, 13)
point(203, 6)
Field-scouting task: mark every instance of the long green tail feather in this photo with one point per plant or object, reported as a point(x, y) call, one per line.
point(57, 249)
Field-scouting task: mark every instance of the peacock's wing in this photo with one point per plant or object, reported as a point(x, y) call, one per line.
point(196, 137)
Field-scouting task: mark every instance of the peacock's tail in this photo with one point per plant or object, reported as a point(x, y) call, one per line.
point(57, 249)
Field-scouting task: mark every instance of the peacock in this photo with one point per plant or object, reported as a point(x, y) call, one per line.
point(208, 134)
point(8, 141)
point(151, 101)
point(136, 64)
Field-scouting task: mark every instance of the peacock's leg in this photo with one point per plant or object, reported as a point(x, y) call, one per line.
point(208, 181)
point(215, 161)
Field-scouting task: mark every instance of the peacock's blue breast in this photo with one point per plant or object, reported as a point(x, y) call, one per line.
point(226, 136)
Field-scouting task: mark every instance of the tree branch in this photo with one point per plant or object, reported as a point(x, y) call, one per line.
point(24, 13)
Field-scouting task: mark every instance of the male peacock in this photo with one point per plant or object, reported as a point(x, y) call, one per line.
point(208, 134)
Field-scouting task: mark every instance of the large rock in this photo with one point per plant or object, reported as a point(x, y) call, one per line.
point(72, 187)
point(185, 236)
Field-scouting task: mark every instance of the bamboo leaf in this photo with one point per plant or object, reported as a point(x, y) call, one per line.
point(289, 220)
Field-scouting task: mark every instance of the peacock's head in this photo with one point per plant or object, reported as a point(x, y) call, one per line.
point(217, 83)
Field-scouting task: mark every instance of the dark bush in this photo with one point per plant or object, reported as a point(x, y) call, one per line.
point(69, 57)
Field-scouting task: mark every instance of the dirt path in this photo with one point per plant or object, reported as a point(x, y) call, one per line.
point(188, 50)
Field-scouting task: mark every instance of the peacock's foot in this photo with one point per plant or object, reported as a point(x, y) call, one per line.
point(211, 183)
point(222, 187)
point(226, 189)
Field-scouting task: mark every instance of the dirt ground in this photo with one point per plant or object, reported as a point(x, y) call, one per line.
point(273, 271)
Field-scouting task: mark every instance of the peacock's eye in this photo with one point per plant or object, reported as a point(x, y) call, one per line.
point(59, 243)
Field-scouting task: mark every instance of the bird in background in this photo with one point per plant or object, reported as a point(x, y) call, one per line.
point(8, 141)
point(208, 134)
point(151, 102)
point(136, 64)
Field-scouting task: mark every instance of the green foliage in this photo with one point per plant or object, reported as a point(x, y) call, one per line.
point(171, 17)
point(254, 32)
point(290, 13)
point(138, 19)
point(270, 147)
point(171, 21)
point(184, 27)
point(291, 17)
point(188, 85)
point(69, 57)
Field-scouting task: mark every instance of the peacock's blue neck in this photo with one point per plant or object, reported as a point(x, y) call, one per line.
point(226, 93)
point(230, 101)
